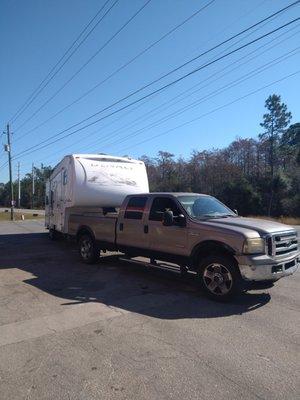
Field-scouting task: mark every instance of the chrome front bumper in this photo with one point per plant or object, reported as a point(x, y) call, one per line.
point(262, 268)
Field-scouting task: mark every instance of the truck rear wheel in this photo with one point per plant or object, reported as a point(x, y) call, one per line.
point(88, 249)
point(219, 277)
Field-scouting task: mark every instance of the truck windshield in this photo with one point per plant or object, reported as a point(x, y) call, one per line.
point(205, 207)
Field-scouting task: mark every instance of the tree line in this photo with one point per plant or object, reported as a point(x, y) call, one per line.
point(255, 176)
point(32, 194)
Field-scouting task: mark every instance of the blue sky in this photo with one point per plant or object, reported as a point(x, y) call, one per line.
point(35, 34)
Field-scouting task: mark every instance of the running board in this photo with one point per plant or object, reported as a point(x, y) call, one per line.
point(160, 265)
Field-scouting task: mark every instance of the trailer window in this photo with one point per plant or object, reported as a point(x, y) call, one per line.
point(135, 208)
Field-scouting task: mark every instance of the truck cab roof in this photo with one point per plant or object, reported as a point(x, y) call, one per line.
point(173, 194)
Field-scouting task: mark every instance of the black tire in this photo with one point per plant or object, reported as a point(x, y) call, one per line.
point(88, 249)
point(53, 234)
point(219, 277)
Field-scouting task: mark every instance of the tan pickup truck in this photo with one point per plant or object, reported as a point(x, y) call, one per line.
point(194, 231)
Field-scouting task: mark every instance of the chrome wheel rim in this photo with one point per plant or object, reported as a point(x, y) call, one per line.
point(218, 279)
point(85, 249)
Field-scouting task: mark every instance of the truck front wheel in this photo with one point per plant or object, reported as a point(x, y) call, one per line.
point(219, 277)
point(88, 249)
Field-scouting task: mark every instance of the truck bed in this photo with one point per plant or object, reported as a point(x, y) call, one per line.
point(102, 223)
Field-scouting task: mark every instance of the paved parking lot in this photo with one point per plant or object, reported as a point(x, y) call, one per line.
point(118, 331)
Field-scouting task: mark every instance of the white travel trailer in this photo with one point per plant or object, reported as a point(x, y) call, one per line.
point(92, 181)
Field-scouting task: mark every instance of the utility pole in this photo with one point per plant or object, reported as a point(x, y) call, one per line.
point(32, 187)
point(19, 186)
point(8, 149)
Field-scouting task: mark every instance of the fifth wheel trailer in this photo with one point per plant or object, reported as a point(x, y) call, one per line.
point(92, 181)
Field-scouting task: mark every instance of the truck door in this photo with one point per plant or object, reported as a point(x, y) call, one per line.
point(131, 231)
point(166, 239)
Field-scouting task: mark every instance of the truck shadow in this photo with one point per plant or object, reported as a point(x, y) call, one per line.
point(57, 270)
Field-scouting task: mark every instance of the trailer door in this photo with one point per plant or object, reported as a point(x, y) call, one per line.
point(57, 204)
point(48, 209)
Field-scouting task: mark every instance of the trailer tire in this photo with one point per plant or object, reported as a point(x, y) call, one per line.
point(53, 234)
point(88, 249)
point(219, 277)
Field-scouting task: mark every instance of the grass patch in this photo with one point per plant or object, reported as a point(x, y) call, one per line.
point(5, 216)
point(282, 219)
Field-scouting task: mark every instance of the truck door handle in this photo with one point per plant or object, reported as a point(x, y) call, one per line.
point(146, 228)
point(121, 226)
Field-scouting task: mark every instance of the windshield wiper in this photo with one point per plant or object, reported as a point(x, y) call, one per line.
point(209, 216)
point(216, 216)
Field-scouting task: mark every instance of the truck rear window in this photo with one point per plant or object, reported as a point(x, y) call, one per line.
point(135, 208)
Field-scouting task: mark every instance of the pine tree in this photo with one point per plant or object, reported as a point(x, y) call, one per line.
point(275, 121)
point(274, 124)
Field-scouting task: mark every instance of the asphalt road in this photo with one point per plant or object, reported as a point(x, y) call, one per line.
point(118, 331)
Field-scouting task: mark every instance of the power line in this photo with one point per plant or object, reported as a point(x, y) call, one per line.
point(214, 110)
point(152, 112)
point(97, 130)
point(20, 126)
point(86, 93)
point(214, 93)
point(160, 107)
point(46, 81)
point(86, 63)
point(176, 69)
point(238, 19)
point(201, 67)
point(194, 104)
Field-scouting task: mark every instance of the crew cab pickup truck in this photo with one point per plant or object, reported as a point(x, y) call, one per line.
point(194, 231)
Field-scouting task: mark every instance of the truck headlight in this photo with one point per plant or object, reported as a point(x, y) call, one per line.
point(254, 246)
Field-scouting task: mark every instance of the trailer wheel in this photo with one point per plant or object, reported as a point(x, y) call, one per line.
point(88, 249)
point(219, 277)
point(53, 234)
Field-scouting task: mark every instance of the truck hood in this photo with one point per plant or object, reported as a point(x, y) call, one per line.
point(261, 226)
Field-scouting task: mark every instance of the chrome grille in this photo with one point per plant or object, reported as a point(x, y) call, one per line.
point(281, 244)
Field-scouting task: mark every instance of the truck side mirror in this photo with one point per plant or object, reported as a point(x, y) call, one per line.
point(181, 220)
point(168, 218)
point(236, 211)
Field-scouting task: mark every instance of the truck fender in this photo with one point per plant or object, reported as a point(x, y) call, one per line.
point(207, 247)
point(83, 229)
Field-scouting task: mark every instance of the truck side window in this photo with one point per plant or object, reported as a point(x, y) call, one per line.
point(135, 208)
point(160, 205)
